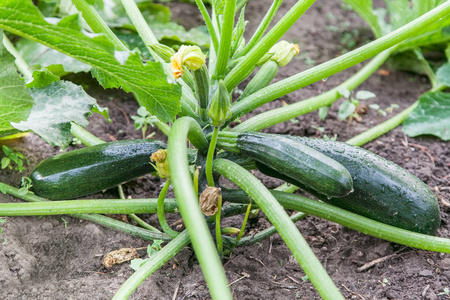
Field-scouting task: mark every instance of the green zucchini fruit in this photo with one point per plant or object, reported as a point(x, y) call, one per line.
point(85, 171)
point(297, 161)
point(383, 191)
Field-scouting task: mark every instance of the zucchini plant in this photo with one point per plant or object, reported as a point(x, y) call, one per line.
point(192, 92)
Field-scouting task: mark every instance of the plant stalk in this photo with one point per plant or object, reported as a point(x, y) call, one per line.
point(285, 113)
point(209, 24)
point(239, 72)
point(352, 221)
point(153, 263)
point(21, 64)
point(97, 24)
point(336, 65)
point(189, 208)
point(225, 40)
point(379, 130)
point(161, 211)
point(262, 27)
point(285, 227)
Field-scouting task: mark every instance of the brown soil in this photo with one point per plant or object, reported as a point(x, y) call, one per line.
point(60, 257)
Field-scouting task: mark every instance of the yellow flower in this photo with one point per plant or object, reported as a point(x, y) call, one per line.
point(176, 65)
point(190, 57)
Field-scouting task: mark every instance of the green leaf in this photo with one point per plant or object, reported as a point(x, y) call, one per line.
point(56, 106)
point(136, 263)
point(41, 78)
point(346, 109)
point(5, 162)
point(431, 116)
point(2, 188)
point(372, 18)
point(323, 112)
point(364, 95)
point(399, 13)
point(443, 75)
point(148, 83)
point(15, 102)
point(40, 56)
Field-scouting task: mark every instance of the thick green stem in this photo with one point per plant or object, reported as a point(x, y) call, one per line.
point(353, 221)
point(382, 128)
point(239, 72)
point(262, 27)
point(189, 208)
point(225, 40)
point(21, 64)
point(209, 24)
point(84, 136)
point(76, 209)
point(161, 211)
point(133, 216)
point(153, 263)
point(285, 113)
point(210, 157)
point(139, 22)
point(96, 23)
point(266, 232)
point(285, 227)
point(338, 64)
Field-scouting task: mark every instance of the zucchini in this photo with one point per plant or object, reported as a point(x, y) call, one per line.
point(85, 171)
point(383, 191)
point(297, 162)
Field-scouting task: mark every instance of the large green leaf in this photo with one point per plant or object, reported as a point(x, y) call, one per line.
point(431, 116)
point(147, 82)
point(56, 106)
point(399, 13)
point(15, 102)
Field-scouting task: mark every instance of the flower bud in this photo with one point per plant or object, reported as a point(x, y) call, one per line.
point(163, 51)
point(190, 57)
point(161, 163)
point(284, 52)
point(219, 110)
point(209, 200)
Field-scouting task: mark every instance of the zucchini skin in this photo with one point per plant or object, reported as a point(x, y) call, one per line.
point(297, 162)
point(383, 191)
point(89, 170)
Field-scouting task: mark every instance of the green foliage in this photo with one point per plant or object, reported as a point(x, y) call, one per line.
point(12, 159)
point(56, 106)
point(431, 116)
point(348, 107)
point(143, 120)
point(153, 248)
point(160, 97)
point(15, 102)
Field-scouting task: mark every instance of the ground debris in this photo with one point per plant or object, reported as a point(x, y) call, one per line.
point(120, 256)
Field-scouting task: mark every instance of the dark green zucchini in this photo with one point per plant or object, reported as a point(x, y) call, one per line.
point(85, 171)
point(383, 191)
point(298, 162)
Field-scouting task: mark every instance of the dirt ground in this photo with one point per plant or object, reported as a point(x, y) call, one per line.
point(60, 257)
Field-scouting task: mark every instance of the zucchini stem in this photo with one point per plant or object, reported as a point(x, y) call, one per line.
point(189, 207)
point(210, 157)
point(161, 214)
point(153, 263)
point(138, 220)
point(285, 227)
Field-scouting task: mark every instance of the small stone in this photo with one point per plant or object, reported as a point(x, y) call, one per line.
point(426, 273)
